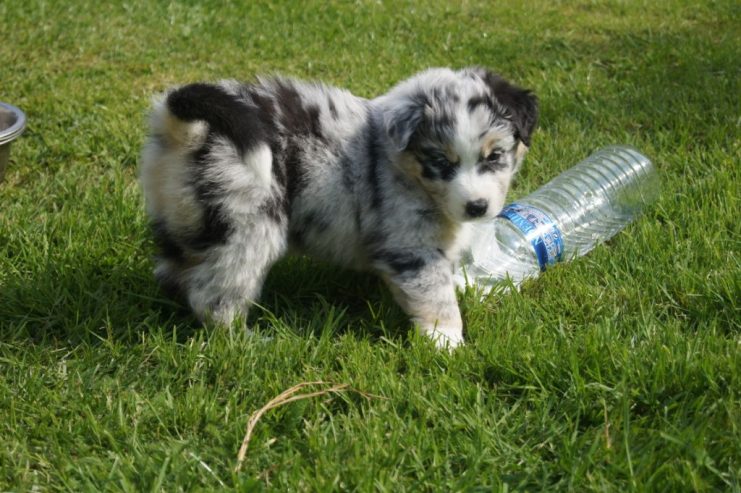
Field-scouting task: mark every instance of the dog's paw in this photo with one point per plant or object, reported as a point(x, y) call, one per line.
point(447, 338)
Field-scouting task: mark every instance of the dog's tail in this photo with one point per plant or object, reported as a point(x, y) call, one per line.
point(188, 114)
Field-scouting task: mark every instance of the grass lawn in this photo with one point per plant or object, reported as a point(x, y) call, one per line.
point(619, 371)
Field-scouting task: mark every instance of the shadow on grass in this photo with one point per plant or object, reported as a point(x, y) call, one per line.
point(79, 302)
point(312, 297)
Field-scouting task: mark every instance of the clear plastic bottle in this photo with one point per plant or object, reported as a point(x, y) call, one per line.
point(565, 218)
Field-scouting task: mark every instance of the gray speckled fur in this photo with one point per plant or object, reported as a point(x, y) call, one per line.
point(380, 185)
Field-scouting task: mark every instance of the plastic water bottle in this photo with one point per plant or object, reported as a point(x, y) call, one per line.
point(565, 218)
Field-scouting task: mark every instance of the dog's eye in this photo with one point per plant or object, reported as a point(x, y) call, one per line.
point(492, 162)
point(443, 160)
point(494, 156)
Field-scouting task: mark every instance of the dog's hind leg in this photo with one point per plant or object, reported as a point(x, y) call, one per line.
point(228, 278)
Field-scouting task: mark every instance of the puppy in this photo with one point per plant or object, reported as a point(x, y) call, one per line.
point(236, 175)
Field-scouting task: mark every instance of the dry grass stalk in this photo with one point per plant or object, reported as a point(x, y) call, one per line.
point(284, 398)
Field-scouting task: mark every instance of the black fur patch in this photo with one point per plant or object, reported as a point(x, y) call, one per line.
point(481, 100)
point(435, 166)
point(214, 229)
point(305, 224)
point(490, 167)
point(521, 104)
point(315, 126)
point(167, 246)
point(225, 114)
point(264, 104)
point(492, 163)
point(295, 173)
point(401, 262)
point(296, 118)
point(297, 121)
point(267, 113)
point(274, 208)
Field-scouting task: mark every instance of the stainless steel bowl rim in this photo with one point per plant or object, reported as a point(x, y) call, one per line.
point(15, 129)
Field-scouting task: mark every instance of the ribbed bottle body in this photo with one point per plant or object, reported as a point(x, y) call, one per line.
point(565, 218)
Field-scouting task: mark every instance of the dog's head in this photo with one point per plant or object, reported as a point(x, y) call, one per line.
point(461, 136)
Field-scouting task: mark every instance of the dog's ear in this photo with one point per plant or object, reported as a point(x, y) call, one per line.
point(521, 104)
point(402, 118)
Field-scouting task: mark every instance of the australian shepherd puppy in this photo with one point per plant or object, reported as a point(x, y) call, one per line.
point(236, 175)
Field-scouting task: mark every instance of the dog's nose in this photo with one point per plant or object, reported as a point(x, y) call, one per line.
point(477, 208)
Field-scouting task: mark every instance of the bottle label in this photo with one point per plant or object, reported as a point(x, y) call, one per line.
point(539, 229)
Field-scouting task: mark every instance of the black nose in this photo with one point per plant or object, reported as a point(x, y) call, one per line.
point(477, 208)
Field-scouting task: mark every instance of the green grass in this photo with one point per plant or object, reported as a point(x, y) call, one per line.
point(619, 371)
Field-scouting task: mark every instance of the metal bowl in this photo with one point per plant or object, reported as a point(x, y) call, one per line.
point(12, 124)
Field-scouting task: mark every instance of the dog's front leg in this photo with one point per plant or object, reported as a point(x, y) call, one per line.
point(423, 285)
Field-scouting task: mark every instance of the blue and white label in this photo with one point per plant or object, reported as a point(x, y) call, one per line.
point(539, 229)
